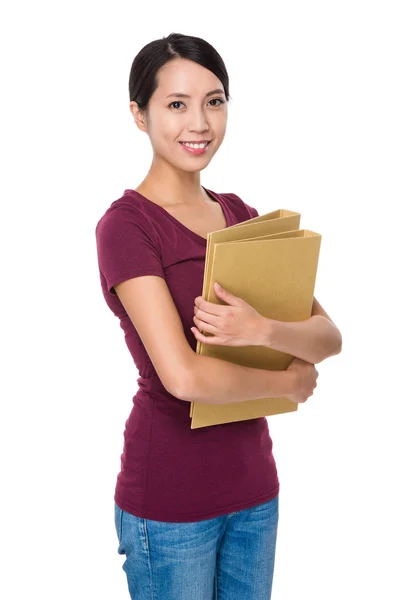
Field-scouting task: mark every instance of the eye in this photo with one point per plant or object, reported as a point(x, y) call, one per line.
point(175, 102)
point(219, 100)
point(212, 100)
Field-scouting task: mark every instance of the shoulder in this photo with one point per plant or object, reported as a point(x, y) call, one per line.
point(127, 244)
point(125, 214)
point(237, 204)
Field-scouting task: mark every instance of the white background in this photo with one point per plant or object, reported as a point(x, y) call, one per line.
point(315, 125)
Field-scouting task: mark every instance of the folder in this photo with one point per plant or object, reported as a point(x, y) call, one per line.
point(270, 263)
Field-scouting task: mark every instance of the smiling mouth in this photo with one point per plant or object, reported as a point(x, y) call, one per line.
point(197, 143)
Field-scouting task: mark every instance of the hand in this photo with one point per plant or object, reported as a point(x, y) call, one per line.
point(306, 376)
point(238, 324)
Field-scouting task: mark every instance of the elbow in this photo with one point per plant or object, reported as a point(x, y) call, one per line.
point(338, 343)
point(331, 350)
point(184, 377)
point(183, 385)
point(182, 389)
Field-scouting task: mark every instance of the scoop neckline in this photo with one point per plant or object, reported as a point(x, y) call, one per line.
point(193, 234)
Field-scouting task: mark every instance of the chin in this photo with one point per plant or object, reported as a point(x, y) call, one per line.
point(189, 167)
point(192, 169)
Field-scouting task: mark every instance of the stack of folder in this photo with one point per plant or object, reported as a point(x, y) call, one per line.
point(270, 263)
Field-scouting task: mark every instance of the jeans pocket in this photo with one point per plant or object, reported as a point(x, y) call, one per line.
point(118, 521)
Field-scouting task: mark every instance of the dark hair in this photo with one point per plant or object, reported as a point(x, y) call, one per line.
point(143, 76)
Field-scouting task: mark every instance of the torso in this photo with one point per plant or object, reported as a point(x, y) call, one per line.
point(202, 219)
point(157, 431)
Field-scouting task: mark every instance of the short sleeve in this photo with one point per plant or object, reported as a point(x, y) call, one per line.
point(127, 247)
point(252, 211)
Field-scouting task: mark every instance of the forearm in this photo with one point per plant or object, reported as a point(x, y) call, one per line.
point(216, 381)
point(313, 339)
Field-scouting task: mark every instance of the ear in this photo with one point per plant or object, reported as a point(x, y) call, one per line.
point(140, 116)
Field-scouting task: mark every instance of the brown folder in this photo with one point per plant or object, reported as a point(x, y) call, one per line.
point(272, 265)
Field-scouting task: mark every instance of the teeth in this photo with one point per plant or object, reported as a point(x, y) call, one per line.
point(194, 145)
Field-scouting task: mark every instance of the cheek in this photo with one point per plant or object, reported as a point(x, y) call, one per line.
point(220, 127)
point(165, 144)
point(166, 128)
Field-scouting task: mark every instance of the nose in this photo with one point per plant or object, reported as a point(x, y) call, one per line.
point(198, 121)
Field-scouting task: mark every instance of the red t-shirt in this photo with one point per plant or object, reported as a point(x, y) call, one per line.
point(170, 472)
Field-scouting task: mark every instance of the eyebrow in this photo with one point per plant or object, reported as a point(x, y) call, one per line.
point(178, 95)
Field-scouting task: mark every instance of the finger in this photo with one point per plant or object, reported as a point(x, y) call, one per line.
point(204, 326)
point(226, 296)
point(204, 338)
point(206, 317)
point(209, 307)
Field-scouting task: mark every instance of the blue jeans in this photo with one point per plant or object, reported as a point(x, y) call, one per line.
point(226, 558)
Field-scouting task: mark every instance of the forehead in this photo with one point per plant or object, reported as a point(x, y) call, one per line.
point(185, 77)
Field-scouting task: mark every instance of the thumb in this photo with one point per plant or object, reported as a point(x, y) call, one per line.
point(227, 296)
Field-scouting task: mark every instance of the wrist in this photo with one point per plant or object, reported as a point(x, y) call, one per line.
point(291, 382)
point(268, 331)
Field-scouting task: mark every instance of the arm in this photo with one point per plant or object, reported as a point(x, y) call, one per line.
point(130, 261)
point(313, 339)
point(216, 381)
point(185, 374)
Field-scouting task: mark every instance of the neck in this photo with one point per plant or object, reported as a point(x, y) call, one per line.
point(173, 186)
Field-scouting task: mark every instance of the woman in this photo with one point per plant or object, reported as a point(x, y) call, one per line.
point(196, 511)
